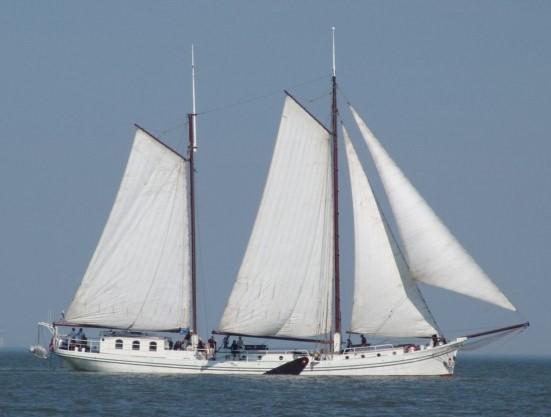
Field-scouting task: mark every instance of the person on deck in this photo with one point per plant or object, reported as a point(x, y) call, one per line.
point(363, 340)
point(71, 338)
point(84, 342)
point(226, 342)
point(234, 349)
point(186, 341)
point(240, 344)
point(211, 347)
point(78, 338)
point(212, 342)
point(348, 343)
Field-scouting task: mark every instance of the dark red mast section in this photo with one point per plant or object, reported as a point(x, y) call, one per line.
point(334, 116)
point(191, 151)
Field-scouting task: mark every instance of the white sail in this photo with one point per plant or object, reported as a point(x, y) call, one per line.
point(139, 276)
point(434, 255)
point(284, 286)
point(387, 302)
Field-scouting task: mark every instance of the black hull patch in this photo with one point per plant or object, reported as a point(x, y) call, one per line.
point(293, 367)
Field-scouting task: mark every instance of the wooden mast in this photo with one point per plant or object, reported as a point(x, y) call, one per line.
point(191, 117)
point(192, 147)
point(334, 117)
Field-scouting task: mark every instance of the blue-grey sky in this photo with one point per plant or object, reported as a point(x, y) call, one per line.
point(458, 93)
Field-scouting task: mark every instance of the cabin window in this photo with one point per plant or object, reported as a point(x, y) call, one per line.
point(118, 344)
point(153, 346)
point(135, 345)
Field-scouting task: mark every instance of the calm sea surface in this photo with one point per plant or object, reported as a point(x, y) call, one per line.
point(481, 387)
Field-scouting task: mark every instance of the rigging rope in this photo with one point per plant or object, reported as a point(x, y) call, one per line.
point(243, 102)
point(260, 97)
point(486, 340)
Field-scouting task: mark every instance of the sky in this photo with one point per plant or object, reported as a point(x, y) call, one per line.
point(458, 92)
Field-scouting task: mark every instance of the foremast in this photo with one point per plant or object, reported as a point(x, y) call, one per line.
point(335, 160)
point(192, 147)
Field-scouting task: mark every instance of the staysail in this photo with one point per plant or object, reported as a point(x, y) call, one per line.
point(139, 275)
point(433, 254)
point(284, 287)
point(387, 302)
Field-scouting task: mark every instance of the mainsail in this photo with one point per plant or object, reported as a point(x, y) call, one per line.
point(284, 286)
point(139, 276)
point(387, 302)
point(433, 254)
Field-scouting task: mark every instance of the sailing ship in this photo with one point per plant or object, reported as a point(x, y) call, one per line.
point(141, 280)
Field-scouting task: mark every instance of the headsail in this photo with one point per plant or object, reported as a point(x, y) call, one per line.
point(387, 301)
point(284, 286)
point(139, 276)
point(434, 255)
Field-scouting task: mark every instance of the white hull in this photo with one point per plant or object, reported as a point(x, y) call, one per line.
point(434, 361)
point(438, 361)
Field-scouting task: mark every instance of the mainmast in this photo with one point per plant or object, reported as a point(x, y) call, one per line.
point(192, 147)
point(334, 117)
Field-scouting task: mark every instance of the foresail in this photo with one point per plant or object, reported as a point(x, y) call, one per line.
point(433, 254)
point(387, 302)
point(284, 286)
point(139, 276)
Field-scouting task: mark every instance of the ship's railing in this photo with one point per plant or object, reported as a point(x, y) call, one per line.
point(268, 351)
point(257, 354)
point(64, 342)
point(371, 348)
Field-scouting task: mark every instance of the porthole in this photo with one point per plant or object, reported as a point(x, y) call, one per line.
point(394, 353)
point(153, 346)
point(378, 354)
point(346, 357)
point(259, 357)
point(281, 358)
point(363, 356)
point(118, 344)
point(136, 345)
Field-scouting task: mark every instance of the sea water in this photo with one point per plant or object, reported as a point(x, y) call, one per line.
point(482, 386)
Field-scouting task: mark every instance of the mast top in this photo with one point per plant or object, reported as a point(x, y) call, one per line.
point(193, 111)
point(333, 43)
